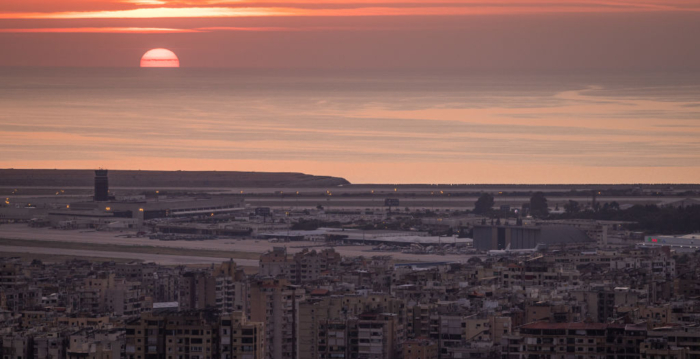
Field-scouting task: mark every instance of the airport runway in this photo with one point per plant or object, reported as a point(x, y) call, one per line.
point(163, 259)
point(23, 232)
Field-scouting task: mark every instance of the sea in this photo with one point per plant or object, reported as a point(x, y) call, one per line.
point(368, 126)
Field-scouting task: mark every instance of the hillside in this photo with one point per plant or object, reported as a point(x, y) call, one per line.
point(164, 179)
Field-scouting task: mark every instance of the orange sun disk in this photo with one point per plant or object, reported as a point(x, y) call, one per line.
point(160, 58)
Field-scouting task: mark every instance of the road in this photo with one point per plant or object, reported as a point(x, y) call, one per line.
point(437, 202)
point(163, 259)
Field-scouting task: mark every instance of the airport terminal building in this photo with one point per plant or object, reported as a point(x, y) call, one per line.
point(106, 210)
point(500, 237)
point(684, 244)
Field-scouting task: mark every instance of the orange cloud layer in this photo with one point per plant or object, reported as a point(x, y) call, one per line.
point(150, 13)
point(661, 4)
point(457, 8)
point(278, 29)
point(156, 30)
point(54, 7)
point(115, 30)
point(146, 2)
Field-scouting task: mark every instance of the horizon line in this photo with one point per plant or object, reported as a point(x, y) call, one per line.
point(360, 183)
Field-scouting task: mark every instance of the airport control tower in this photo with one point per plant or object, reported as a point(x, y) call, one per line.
point(101, 186)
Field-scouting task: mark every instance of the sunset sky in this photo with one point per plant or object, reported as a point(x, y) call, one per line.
point(392, 91)
point(495, 34)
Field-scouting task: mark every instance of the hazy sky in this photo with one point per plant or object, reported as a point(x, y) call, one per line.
point(366, 126)
point(460, 91)
point(494, 34)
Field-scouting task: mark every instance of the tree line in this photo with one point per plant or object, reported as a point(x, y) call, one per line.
point(647, 218)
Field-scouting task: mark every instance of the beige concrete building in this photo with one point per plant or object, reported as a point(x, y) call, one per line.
point(305, 266)
point(124, 298)
point(275, 263)
point(110, 294)
point(17, 346)
point(83, 321)
point(351, 326)
point(312, 265)
point(225, 289)
point(582, 340)
point(419, 322)
point(660, 349)
point(241, 339)
point(379, 336)
point(231, 291)
point(172, 335)
point(684, 337)
point(275, 302)
point(96, 344)
point(197, 290)
point(420, 348)
point(486, 328)
point(601, 303)
point(50, 345)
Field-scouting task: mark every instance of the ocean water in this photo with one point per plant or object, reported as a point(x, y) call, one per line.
point(366, 126)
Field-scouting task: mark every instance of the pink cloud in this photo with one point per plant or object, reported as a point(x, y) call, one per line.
point(246, 8)
point(113, 30)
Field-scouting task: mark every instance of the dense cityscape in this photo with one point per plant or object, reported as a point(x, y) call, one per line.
point(349, 179)
point(189, 275)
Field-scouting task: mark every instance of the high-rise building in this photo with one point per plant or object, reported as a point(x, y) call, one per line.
point(276, 303)
point(311, 265)
point(275, 263)
point(378, 336)
point(225, 288)
point(351, 326)
point(241, 339)
point(200, 334)
point(172, 335)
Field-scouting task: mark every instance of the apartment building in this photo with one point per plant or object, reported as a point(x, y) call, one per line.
point(305, 266)
point(77, 322)
point(581, 340)
point(602, 302)
point(231, 290)
point(377, 336)
point(197, 290)
point(311, 265)
point(419, 321)
point(107, 293)
point(323, 329)
point(240, 338)
point(96, 344)
point(275, 302)
point(171, 335)
point(50, 344)
point(657, 348)
point(449, 331)
point(275, 263)
point(329, 326)
point(486, 328)
point(224, 288)
point(539, 273)
point(124, 297)
point(420, 348)
point(18, 345)
point(680, 336)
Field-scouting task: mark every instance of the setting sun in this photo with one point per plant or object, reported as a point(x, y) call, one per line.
point(160, 58)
